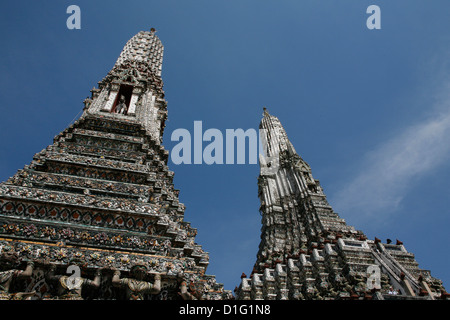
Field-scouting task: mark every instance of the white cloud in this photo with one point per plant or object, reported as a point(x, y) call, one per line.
point(393, 168)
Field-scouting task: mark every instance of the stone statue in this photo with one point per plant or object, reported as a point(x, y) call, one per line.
point(184, 292)
point(121, 106)
point(136, 287)
point(70, 287)
point(193, 292)
point(9, 261)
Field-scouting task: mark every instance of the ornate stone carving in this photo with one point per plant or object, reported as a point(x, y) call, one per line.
point(136, 287)
point(70, 287)
point(325, 258)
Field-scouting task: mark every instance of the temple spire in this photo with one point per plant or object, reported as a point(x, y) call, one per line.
point(133, 89)
point(306, 250)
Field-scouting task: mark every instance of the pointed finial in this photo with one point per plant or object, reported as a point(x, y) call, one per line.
point(265, 111)
point(152, 29)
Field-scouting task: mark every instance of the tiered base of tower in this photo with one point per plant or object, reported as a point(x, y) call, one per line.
point(100, 198)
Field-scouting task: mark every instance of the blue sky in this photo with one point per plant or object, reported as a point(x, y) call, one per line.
point(369, 110)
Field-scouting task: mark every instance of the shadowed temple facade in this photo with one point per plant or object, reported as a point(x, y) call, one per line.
point(95, 215)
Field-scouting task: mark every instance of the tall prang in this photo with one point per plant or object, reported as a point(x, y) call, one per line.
point(307, 252)
point(95, 215)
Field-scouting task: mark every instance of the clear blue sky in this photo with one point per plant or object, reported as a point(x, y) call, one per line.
point(369, 110)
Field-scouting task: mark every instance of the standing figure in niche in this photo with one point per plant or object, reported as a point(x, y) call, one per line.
point(121, 106)
point(136, 287)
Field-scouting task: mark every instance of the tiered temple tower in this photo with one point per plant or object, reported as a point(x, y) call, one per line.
point(95, 215)
point(308, 252)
